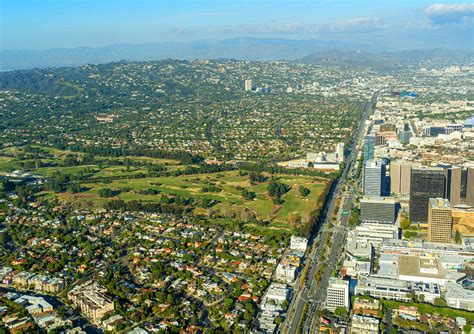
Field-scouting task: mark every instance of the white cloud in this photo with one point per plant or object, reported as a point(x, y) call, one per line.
point(358, 25)
point(456, 13)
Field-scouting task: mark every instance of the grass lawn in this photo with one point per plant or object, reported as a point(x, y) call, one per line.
point(49, 171)
point(230, 204)
point(229, 198)
point(8, 164)
point(430, 309)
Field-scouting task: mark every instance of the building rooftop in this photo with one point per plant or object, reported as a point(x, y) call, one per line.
point(378, 199)
point(421, 267)
point(439, 203)
point(374, 163)
point(454, 290)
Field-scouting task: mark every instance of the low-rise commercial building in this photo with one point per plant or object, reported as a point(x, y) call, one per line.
point(374, 233)
point(362, 324)
point(366, 307)
point(395, 289)
point(286, 273)
point(418, 247)
point(458, 297)
point(298, 243)
point(90, 299)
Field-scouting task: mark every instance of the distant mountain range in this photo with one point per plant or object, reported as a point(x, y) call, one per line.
point(242, 48)
point(388, 60)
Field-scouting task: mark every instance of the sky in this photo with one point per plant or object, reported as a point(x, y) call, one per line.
point(391, 24)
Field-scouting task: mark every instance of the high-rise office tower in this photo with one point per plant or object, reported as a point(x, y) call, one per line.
point(369, 147)
point(425, 183)
point(248, 85)
point(468, 189)
point(459, 185)
point(374, 209)
point(374, 178)
point(337, 293)
point(440, 222)
point(453, 185)
point(400, 175)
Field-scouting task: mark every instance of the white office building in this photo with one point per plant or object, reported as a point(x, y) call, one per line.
point(298, 243)
point(337, 294)
point(374, 177)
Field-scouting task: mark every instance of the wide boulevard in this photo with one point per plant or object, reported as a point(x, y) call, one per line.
point(307, 291)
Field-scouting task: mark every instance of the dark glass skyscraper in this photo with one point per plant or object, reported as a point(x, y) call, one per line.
point(425, 183)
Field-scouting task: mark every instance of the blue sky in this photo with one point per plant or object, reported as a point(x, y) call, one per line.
point(395, 24)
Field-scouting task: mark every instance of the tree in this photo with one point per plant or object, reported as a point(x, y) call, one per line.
point(411, 295)
point(75, 187)
point(170, 299)
point(457, 237)
point(228, 303)
point(405, 223)
point(354, 218)
point(304, 191)
point(4, 238)
point(106, 192)
point(382, 327)
point(248, 195)
point(277, 189)
point(440, 302)
point(467, 328)
point(341, 312)
point(256, 178)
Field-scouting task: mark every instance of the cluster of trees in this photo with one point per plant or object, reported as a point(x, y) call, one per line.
point(207, 202)
point(304, 191)
point(256, 177)
point(277, 189)
point(248, 195)
point(212, 188)
point(149, 191)
point(108, 151)
point(107, 192)
point(273, 169)
point(354, 217)
point(176, 209)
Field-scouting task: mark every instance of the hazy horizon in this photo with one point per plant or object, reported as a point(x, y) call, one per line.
point(400, 25)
